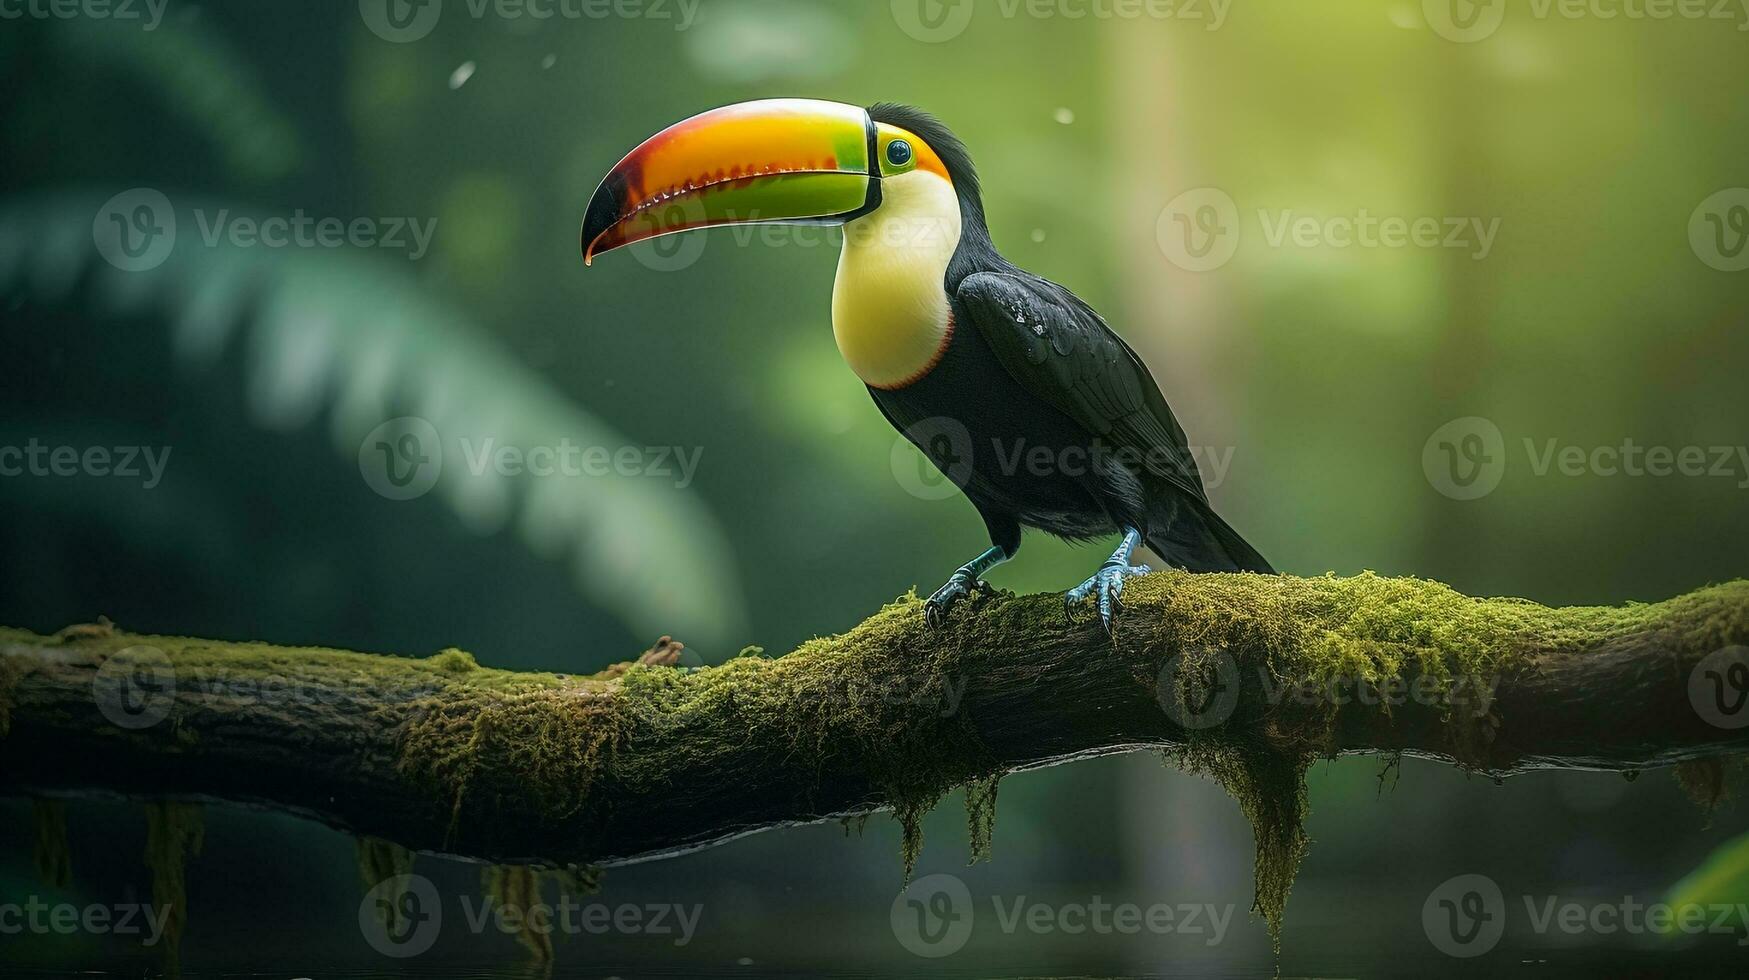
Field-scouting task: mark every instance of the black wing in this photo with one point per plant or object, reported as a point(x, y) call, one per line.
point(1063, 353)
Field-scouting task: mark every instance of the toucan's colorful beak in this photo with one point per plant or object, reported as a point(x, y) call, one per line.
point(774, 161)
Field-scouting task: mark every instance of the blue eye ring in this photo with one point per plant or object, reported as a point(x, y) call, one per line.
point(898, 153)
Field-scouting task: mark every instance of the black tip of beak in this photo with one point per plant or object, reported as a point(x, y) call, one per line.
point(606, 208)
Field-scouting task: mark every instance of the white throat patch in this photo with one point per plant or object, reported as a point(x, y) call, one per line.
point(890, 313)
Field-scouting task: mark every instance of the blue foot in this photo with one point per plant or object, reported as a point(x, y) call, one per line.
point(958, 587)
point(967, 580)
point(1107, 584)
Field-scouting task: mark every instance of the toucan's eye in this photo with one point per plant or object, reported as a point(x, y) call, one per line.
point(898, 153)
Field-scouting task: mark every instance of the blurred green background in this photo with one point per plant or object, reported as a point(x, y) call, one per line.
point(1590, 145)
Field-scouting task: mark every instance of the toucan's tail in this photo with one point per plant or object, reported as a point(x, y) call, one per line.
point(1190, 535)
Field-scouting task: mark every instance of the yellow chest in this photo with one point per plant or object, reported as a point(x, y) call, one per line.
point(890, 312)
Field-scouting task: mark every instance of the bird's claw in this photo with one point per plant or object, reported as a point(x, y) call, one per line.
point(958, 587)
point(1107, 584)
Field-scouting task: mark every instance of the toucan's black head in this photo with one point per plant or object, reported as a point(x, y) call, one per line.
point(933, 131)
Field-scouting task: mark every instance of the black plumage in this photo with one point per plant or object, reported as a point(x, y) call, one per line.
point(1029, 365)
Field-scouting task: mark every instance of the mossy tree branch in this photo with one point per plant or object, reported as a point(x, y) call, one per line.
point(1230, 673)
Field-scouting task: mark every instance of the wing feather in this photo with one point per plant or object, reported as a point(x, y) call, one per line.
point(1061, 351)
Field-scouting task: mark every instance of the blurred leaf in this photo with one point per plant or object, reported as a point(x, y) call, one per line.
point(326, 329)
point(1721, 879)
point(197, 73)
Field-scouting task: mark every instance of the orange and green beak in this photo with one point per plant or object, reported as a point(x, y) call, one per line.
point(784, 161)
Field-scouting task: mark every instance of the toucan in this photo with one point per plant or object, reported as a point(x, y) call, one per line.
point(1011, 385)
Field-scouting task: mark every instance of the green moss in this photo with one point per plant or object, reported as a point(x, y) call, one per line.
point(1310, 634)
point(1270, 788)
point(910, 813)
point(981, 816)
point(453, 661)
point(379, 860)
point(53, 859)
point(874, 694)
point(836, 697)
point(576, 880)
point(554, 738)
point(517, 888)
point(1704, 782)
point(869, 702)
point(1711, 782)
point(174, 832)
point(12, 670)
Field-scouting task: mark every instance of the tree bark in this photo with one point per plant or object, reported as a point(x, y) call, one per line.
point(645, 761)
